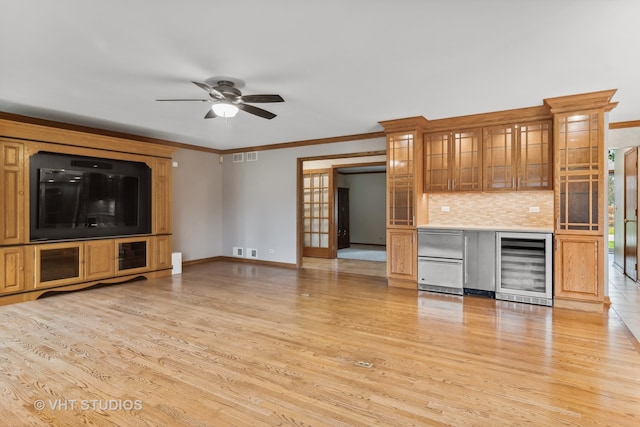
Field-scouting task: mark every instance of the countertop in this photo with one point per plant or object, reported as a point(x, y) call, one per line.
point(512, 229)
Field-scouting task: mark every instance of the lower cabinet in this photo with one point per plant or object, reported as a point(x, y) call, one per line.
point(402, 257)
point(162, 252)
point(59, 264)
point(578, 275)
point(12, 261)
point(99, 259)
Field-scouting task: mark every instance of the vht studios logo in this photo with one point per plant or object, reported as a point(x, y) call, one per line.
point(88, 405)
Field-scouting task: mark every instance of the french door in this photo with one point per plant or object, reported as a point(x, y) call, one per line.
point(317, 210)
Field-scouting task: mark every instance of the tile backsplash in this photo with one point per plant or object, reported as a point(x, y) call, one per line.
point(509, 209)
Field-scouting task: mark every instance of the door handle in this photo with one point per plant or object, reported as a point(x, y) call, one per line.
point(626, 220)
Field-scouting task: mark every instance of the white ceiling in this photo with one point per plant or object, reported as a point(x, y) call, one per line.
point(340, 65)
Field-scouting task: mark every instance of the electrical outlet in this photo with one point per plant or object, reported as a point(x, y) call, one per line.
point(534, 208)
point(271, 251)
point(238, 251)
point(444, 208)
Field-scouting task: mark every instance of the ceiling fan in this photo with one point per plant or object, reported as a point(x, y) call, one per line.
point(226, 100)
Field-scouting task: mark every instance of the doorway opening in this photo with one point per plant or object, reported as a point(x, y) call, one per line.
point(342, 213)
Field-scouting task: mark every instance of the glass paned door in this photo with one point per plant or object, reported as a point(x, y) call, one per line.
point(317, 207)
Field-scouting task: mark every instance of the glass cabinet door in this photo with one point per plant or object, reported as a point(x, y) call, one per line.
point(436, 161)
point(499, 166)
point(400, 175)
point(534, 156)
point(59, 263)
point(465, 174)
point(579, 174)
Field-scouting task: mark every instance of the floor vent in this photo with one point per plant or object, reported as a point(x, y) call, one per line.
point(363, 364)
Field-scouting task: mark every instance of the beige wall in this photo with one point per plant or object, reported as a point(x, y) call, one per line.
point(508, 209)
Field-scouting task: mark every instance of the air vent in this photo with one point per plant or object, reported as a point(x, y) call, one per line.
point(252, 253)
point(238, 157)
point(252, 156)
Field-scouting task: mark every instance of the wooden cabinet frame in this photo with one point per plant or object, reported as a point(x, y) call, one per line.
point(579, 189)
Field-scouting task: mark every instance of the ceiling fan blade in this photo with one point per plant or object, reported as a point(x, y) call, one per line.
point(210, 115)
point(262, 98)
point(256, 111)
point(185, 99)
point(212, 91)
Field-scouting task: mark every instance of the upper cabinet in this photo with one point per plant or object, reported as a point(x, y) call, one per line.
point(501, 151)
point(518, 156)
point(452, 161)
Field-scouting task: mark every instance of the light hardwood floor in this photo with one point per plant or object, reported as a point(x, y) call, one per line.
point(227, 344)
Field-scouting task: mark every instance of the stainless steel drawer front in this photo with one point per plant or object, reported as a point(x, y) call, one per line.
point(440, 272)
point(440, 243)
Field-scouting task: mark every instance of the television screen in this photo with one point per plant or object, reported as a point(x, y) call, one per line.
point(76, 197)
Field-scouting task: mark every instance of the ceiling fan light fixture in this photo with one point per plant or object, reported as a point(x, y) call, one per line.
point(224, 109)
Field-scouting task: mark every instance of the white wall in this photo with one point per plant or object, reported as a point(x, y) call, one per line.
point(197, 199)
point(259, 198)
point(367, 207)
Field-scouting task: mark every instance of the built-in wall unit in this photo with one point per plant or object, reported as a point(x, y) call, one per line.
point(79, 208)
point(537, 170)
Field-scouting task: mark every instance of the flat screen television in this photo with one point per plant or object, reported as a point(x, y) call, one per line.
point(75, 197)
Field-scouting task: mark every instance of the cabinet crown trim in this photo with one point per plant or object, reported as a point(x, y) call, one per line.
point(584, 101)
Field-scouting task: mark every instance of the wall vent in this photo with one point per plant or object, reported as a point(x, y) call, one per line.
point(238, 251)
point(238, 157)
point(252, 253)
point(252, 156)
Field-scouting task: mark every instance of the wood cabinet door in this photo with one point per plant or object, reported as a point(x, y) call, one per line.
point(162, 196)
point(402, 257)
point(99, 259)
point(12, 203)
point(11, 269)
point(579, 268)
point(162, 252)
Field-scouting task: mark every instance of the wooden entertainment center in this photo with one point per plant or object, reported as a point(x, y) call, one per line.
point(29, 269)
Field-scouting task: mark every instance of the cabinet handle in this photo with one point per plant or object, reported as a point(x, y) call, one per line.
point(464, 256)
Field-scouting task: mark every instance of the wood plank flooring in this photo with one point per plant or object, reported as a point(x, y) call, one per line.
point(230, 344)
